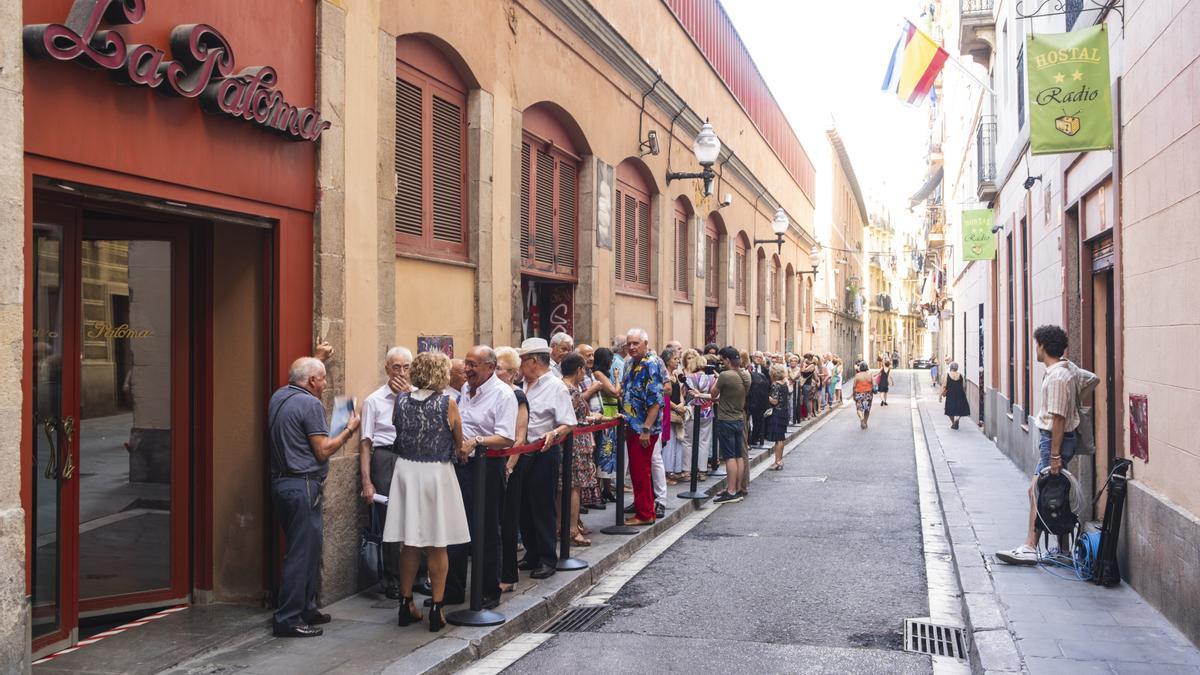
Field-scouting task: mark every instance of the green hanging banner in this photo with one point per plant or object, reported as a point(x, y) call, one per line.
point(979, 243)
point(1070, 91)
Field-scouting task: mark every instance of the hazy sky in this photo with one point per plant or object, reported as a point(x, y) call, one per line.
point(825, 61)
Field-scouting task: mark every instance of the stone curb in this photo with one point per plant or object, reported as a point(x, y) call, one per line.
point(527, 613)
point(993, 649)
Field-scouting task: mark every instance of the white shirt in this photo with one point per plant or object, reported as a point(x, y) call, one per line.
point(377, 417)
point(594, 401)
point(549, 405)
point(492, 411)
point(1058, 398)
point(555, 369)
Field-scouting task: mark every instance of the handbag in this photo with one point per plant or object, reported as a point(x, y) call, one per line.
point(370, 550)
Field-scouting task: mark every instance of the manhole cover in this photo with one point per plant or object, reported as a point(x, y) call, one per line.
point(924, 637)
point(576, 619)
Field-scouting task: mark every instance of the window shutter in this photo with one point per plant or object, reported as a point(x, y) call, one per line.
point(740, 281)
point(565, 248)
point(643, 275)
point(711, 282)
point(525, 222)
point(681, 256)
point(408, 161)
point(543, 220)
point(618, 240)
point(630, 253)
point(447, 171)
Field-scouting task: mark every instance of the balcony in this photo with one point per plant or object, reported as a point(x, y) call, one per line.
point(977, 34)
point(985, 147)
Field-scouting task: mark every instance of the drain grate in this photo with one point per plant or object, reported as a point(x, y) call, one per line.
point(576, 619)
point(924, 637)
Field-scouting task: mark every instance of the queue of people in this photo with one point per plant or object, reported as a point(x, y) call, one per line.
point(427, 427)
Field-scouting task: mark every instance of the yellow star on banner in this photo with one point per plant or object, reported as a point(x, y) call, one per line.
point(1077, 75)
point(1059, 77)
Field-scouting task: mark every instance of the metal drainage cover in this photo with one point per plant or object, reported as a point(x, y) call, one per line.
point(576, 619)
point(924, 637)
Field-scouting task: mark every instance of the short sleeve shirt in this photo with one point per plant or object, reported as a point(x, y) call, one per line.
point(549, 405)
point(641, 390)
point(293, 415)
point(377, 417)
point(1058, 398)
point(492, 411)
point(732, 386)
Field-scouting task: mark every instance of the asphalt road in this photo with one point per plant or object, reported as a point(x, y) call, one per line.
point(804, 576)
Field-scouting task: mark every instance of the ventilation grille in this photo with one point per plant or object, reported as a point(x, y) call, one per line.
point(923, 637)
point(576, 619)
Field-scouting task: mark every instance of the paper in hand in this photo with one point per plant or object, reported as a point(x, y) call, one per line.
point(342, 408)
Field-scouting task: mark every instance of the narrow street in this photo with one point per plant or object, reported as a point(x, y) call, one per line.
point(814, 572)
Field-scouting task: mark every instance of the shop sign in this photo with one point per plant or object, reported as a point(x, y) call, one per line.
point(1070, 87)
point(979, 243)
point(203, 66)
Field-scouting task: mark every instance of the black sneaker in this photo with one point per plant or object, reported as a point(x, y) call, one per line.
point(630, 509)
point(659, 510)
point(727, 498)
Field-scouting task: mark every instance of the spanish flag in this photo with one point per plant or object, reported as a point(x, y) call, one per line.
point(915, 64)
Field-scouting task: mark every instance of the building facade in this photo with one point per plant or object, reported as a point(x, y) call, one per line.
point(1074, 234)
point(367, 173)
point(839, 313)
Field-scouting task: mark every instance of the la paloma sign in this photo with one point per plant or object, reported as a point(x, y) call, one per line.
point(202, 67)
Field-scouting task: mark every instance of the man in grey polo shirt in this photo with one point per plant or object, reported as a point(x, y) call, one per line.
point(300, 452)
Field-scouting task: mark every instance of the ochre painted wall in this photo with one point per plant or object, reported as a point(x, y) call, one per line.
point(432, 295)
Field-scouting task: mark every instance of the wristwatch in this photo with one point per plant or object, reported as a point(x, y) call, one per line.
point(645, 429)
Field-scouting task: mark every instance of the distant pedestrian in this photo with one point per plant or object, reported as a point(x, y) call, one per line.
point(777, 414)
point(864, 387)
point(956, 396)
point(425, 507)
point(733, 385)
point(1057, 419)
point(933, 372)
point(300, 450)
point(885, 379)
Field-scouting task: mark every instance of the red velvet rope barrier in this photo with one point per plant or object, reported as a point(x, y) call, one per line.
point(539, 443)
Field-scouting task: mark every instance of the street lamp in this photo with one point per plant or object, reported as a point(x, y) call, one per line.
point(816, 255)
point(779, 225)
point(707, 147)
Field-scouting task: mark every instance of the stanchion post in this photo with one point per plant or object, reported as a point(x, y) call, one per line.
point(716, 453)
point(565, 562)
point(694, 492)
point(620, 527)
point(476, 615)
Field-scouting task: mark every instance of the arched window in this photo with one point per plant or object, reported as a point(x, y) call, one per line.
point(632, 229)
point(740, 281)
point(549, 196)
point(431, 152)
point(683, 214)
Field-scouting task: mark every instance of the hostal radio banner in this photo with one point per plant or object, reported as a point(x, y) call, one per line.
point(1070, 101)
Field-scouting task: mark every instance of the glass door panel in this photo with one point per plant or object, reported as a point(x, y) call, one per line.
point(50, 457)
point(125, 426)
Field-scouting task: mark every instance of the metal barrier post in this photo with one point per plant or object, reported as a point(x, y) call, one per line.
point(694, 492)
point(620, 527)
point(716, 454)
point(476, 615)
point(565, 562)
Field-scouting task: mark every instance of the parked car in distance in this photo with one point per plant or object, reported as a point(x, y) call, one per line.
point(922, 363)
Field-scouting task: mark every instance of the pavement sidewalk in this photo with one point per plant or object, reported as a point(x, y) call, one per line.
point(1026, 619)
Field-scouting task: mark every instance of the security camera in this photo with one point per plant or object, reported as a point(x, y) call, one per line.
point(727, 200)
point(997, 228)
point(1030, 180)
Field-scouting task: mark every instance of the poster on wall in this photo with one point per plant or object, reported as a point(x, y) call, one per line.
point(701, 245)
point(1139, 427)
point(978, 241)
point(436, 343)
point(1070, 97)
point(604, 204)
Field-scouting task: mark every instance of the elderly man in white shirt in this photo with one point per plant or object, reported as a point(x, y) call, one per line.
point(551, 417)
point(376, 460)
point(561, 344)
point(489, 419)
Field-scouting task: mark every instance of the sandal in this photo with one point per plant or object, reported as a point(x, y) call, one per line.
point(580, 541)
point(702, 476)
point(508, 588)
point(777, 467)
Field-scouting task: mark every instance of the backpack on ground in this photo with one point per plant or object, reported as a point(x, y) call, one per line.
point(1055, 511)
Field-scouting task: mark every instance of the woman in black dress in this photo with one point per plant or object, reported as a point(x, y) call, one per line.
point(885, 372)
point(956, 396)
point(777, 414)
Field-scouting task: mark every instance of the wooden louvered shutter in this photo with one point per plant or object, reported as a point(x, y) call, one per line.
point(740, 280)
point(681, 255)
point(711, 280)
point(410, 188)
point(543, 210)
point(526, 222)
point(630, 252)
point(618, 227)
point(564, 262)
point(448, 171)
point(643, 231)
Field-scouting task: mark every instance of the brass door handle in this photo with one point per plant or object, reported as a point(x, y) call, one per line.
point(68, 428)
point(50, 427)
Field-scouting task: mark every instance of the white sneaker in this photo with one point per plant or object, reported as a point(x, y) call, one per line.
point(1021, 555)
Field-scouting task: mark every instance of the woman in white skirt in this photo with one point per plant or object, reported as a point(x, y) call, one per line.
point(425, 507)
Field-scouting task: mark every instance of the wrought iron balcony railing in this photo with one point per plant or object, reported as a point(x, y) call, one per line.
point(985, 148)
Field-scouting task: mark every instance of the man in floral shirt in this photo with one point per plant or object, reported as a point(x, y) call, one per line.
point(641, 401)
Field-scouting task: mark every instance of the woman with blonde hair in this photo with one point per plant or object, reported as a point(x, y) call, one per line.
point(697, 392)
point(425, 507)
point(777, 416)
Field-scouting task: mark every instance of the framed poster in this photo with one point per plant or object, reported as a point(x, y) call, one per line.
point(436, 343)
point(605, 187)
